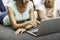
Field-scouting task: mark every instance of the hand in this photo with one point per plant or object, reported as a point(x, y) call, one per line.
point(50, 15)
point(37, 21)
point(20, 30)
point(34, 22)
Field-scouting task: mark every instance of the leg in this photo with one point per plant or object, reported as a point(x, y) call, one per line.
point(2, 7)
point(2, 15)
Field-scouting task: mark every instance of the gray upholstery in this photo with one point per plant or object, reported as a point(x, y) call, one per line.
point(7, 33)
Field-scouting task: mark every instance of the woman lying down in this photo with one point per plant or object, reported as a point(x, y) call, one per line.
point(20, 16)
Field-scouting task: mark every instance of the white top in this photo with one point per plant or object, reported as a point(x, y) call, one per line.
point(18, 16)
point(38, 2)
point(5, 2)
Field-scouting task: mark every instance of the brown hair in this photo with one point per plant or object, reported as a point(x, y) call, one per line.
point(49, 4)
point(20, 1)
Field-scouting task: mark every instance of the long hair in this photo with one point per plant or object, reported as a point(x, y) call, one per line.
point(21, 2)
point(48, 4)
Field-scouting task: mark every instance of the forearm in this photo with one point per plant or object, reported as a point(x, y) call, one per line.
point(29, 26)
point(40, 14)
point(32, 17)
point(21, 25)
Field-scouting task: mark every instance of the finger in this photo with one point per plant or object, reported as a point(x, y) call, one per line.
point(33, 24)
point(38, 22)
point(23, 31)
point(49, 15)
point(18, 31)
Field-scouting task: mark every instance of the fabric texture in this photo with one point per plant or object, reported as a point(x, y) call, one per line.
point(7, 33)
point(2, 7)
point(5, 2)
point(2, 15)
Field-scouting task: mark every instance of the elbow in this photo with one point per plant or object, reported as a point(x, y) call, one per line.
point(15, 26)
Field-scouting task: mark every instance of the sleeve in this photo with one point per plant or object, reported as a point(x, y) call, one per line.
point(30, 5)
point(40, 7)
point(37, 2)
point(11, 4)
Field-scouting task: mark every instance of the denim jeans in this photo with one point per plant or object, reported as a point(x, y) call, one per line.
point(2, 15)
point(2, 7)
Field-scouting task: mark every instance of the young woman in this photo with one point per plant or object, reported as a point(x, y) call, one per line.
point(20, 15)
point(45, 8)
point(38, 5)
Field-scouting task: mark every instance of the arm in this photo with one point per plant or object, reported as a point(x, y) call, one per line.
point(11, 17)
point(31, 21)
point(40, 14)
point(32, 14)
point(29, 25)
point(31, 18)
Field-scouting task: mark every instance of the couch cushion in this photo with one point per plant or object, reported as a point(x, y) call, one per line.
point(7, 33)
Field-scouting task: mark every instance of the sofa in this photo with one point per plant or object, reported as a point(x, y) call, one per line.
point(7, 33)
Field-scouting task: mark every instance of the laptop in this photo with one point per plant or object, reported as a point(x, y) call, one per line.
point(46, 27)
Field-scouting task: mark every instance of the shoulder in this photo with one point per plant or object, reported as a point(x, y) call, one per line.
point(30, 3)
point(11, 4)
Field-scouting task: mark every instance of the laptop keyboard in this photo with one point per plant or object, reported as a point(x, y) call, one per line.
point(33, 32)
